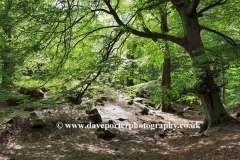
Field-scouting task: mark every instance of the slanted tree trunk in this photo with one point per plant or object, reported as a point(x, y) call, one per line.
point(207, 89)
point(166, 67)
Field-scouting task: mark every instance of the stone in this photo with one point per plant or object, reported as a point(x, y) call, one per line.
point(33, 115)
point(151, 104)
point(111, 122)
point(74, 100)
point(99, 100)
point(32, 92)
point(130, 102)
point(144, 111)
point(104, 98)
point(160, 116)
point(96, 117)
point(92, 111)
point(104, 134)
point(138, 100)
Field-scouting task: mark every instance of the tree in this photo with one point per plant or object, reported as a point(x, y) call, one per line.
point(206, 88)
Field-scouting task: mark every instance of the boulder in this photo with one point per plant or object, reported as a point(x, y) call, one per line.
point(96, 117)
point(111, 122)
point(74, 100)
point(92, 111)
point(138, 100)
point(151, 104)
point(33, 115)
point(105, 134)
point(104, 98)
point(130, 102)
point(32, 92)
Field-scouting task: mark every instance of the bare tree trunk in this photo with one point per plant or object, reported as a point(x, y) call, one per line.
point(223, 88)
point(131, 57)
point(166, 67)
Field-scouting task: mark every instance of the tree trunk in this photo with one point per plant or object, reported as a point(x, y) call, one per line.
point(223, 88)
point(166, 75)
point(8, 69)
point(206, 88)
point(131, 69)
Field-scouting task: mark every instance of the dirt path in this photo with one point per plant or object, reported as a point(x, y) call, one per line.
point(221, 142)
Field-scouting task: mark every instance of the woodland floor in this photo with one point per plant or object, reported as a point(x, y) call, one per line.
point(221, 142)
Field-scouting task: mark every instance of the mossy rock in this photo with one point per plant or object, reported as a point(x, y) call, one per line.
point(130, 102)
point(151, 104)
point(179, 113)
point(144, 111)
point(33, 115)
point(104, 98)
point(91, 111)
point(99, 100)
point(74, 100)
point(96, 117)
point(87, 104)
point(9, 121)
point(160, 116)
point(32, 92)
point(105, 134)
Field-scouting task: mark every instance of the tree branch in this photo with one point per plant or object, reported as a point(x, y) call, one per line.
point(227, 39)
point(180, 41)
point(192, 8)
point(220, 2)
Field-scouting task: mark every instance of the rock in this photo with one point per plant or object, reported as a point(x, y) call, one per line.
point(151, 104)
point(188, 108)
point(179, 113)
point(92, 111)
point(144, 111)
point(105, 134)
point(14, 101)
point(130, 102)
point(111, 122)
point(32, 92)
point(38, 123)
point(87, 104)
point(9, 121)
point(104, 98)
point(96, 117)
point(139, 100)
point(99, 100)
point(160, 116)
point(74, 100)
point(33, 115)
point(45, 89)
